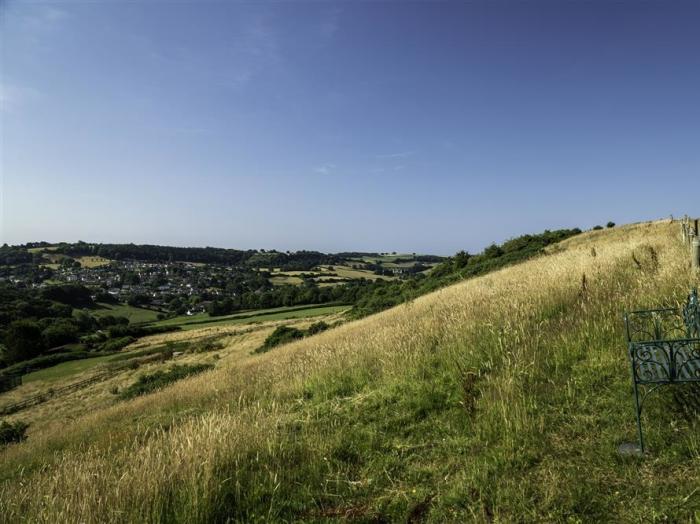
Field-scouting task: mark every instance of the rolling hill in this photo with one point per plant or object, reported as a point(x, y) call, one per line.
point(499, 398)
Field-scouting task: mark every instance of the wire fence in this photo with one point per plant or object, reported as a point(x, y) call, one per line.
point(8, 409)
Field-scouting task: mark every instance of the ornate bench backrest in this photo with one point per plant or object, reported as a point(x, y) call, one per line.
point(654, 324)
point(691, 315)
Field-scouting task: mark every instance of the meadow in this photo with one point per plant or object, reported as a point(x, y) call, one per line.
point(136, 315)
point(500, 398)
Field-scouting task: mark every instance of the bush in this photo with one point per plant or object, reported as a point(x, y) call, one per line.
point(12, 432)
point(281, 335)
point(317, 327)
point(62, 331)
point(154, 381)
point(116, 344)
point(120, 330)
point(610, 225)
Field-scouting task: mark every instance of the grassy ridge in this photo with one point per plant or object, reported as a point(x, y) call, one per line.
point(500, 398)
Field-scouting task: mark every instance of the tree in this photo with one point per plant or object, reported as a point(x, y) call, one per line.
point(23, 340)
point(74, 295)
point(62, 331)
point(461, 259)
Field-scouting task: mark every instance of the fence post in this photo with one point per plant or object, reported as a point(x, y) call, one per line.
point(695, 253)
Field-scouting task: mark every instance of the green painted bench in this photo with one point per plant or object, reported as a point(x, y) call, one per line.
point(664, 349)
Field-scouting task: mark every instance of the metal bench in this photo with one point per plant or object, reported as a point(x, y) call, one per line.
point(664, 349)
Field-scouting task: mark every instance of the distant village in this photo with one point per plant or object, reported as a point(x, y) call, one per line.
point(151, 284)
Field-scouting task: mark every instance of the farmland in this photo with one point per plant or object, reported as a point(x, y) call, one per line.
point(134, 314)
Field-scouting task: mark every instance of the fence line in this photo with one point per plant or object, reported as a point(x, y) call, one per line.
point(691, 237)
point(43, 397)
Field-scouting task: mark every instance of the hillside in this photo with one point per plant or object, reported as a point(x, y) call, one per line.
point(500, 398)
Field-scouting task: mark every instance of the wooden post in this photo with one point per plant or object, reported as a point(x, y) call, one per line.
point(695, 253)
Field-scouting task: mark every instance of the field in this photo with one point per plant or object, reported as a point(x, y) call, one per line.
point(135, 315)
point(93, 261)
point(66, 369)
point(283, 279)
point(349, 272)
point(502, 398)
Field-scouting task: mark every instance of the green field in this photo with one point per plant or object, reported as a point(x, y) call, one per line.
point(136, 315)
point(349, 272)
point(65, 369)
point(284, 279)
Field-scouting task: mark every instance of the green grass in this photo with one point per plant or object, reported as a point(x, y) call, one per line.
point(65, 369)
point(349, 272)
point(281, 280)
point(136, 315)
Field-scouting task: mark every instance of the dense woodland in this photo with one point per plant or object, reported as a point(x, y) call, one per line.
point(296, 261)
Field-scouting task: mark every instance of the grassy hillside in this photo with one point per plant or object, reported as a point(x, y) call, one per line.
point(499, 398)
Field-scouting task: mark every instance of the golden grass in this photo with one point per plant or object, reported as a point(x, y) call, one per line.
point(91, 262)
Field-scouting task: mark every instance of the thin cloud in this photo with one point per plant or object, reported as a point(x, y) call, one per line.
point(14, 97)
point(255, 49)
point(324, 169)
point(44, 18)
point(403, 154)
point(330, 23)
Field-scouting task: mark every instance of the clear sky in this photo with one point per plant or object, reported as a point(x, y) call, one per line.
point(378, 126)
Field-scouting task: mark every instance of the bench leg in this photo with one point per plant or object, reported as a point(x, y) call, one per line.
point(638, 411)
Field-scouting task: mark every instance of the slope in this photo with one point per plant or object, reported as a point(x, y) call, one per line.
point(499, 398)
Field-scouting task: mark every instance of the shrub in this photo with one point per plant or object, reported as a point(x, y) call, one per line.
point(317, 327)
point(610, 225)
point(12, 432)
point(116, 344)
point(154, 381)
point(281, 335)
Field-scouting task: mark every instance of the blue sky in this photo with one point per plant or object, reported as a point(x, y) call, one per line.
point(389, 126)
